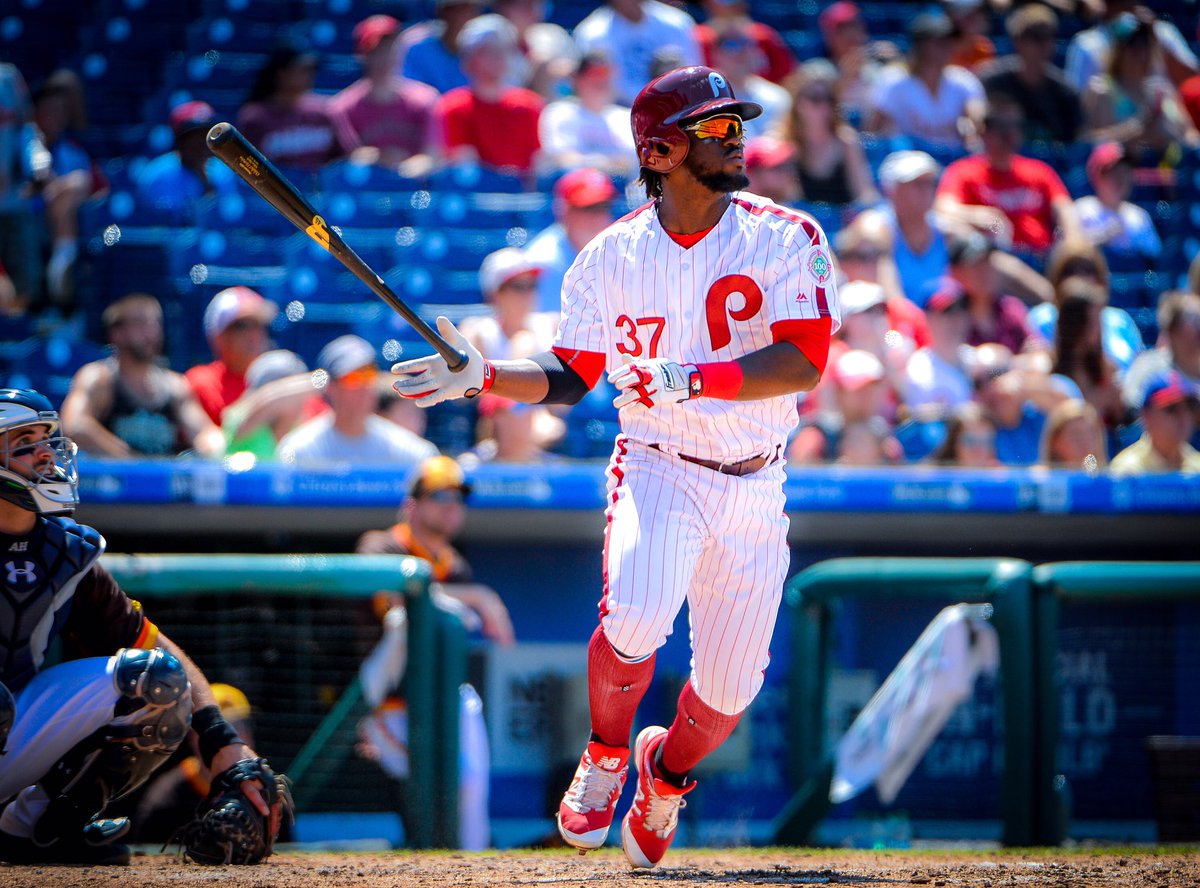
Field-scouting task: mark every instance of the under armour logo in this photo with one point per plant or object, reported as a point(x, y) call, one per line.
point(27, 573)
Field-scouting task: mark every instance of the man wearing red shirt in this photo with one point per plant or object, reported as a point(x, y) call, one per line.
point(777, 57)
point(235, 323)
point(1004, 194)
point(488, 120)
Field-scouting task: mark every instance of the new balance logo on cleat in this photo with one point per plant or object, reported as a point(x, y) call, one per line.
point(589, 804)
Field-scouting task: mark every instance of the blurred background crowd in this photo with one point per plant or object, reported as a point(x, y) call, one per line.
point(1008, 187)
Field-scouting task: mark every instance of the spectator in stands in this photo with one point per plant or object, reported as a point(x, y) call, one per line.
point(351, 432)
point(970, 441)
point(1078, 353)
point(630, 32)
point(918, 246)
point(771, 169)
point(1014, 199)
point(292, 125)
point(995, 316)
point(174, 181)
point(430, 49)
point(391, 116)
point(1078, 258)
point(927, 98)
point(1127, 102)
point(512, 432)
point(1090, 50)
point(587, 129)
point(776, 56)
point(831, 165)
point(1177, 350)
point(1030, 77)
point(868, 442)
point(937, 377)
point(129, 404)
point(235, 324)
point(489, 121)
point(1073, 438)
point(860, 393)
point(863, 253)
point(1107, 217)
point(736, 55)
point(429, 520)
point(24, 168)
point(547, 53)
point(1168, 410)
point(972, 21)
point(583, 207)
point(279, 397)
point(870, 323)
point(1016, 399)
point(58, 112)
point(858, 62)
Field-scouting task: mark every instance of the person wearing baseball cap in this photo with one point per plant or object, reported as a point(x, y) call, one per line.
point(771, 168)
point(391, 116)
point(509, 281)
point(588, 128)
point(1168, 414)
point(432, 55)
point(279, 397)
point(348, 373)
point(236, 324)
point(583, 207)
point(909, 181)
point(173, 182)
point(936, 376)
point(1108, 217)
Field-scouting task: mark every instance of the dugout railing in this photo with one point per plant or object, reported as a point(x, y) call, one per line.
point(279, 589)
point(1028, 605)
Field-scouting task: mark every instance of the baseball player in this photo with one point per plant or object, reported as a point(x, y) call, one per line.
point(710, 308)
point(88, 730)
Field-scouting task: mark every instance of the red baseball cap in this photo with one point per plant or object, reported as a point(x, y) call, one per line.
point(584, 187)
point(841, 13)
point(372, 31)
point(191, 115)
point(944, 293)
point(767, 151)
point(1104, 157)
point(1167, 389)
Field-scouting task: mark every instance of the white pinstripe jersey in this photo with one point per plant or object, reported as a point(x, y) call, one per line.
point(634, 291)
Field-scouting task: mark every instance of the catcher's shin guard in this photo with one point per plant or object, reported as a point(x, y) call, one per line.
point(153, 714)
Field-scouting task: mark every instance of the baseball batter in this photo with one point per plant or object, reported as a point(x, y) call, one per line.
point(710, 308)
point(77, 735)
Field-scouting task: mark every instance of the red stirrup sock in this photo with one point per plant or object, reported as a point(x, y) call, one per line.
point(615, 688)
point(698, 729)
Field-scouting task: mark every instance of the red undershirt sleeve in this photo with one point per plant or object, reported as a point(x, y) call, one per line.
point(589, 365)
point(810, 335)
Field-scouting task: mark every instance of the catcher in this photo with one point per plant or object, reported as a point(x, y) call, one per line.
point(78, 735)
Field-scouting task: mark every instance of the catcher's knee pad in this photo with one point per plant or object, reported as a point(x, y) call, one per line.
point(8, 714)
point(152, 717)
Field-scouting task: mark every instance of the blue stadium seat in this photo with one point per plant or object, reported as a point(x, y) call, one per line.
point(48, 364)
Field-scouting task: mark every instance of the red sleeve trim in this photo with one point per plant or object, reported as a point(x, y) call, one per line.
point(589, 365)
point(809, 335)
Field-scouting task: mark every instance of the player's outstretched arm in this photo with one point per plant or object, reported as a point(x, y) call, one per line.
point(779, 369)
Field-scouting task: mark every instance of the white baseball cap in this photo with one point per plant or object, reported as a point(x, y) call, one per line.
point(857, 368)
point(857, 296)
point(234, 304)
point(502, 266)
point(906, 166)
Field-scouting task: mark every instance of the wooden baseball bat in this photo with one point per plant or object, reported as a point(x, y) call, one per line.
point(239, 155)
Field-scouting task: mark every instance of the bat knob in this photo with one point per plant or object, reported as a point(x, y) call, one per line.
point(459, 365)
point(219, 133)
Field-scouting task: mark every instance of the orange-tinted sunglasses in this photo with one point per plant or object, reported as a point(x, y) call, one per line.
point(724, 127)
point(360, 378)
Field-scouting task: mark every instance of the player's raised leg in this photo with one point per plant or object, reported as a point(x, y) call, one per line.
point(642, 596)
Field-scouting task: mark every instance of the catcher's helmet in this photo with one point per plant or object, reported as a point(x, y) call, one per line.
point(49, 483)
point(680, 96)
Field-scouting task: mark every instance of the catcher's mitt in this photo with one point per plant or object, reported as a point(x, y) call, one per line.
point(228, 828)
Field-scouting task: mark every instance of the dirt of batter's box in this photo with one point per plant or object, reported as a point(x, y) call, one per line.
point(1174, 867)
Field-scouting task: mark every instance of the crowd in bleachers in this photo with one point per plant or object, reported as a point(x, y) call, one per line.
point(1008, 186)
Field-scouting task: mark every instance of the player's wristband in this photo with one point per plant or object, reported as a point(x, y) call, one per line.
point(213, 732)
point(721, 379)
point(489, 380)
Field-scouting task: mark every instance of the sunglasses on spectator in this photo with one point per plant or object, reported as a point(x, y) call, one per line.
point(520, 283)
point(976, 440)
point(360, 378)
point(999, 124)
point(734, 44)
point(1038, 35)
point(818, 98)
point(716, 128)
point(1080, 269)
point(861, 256)
point(243, 324)
point(446, 496)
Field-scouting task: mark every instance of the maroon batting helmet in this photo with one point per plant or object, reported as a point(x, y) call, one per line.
point(677, 97)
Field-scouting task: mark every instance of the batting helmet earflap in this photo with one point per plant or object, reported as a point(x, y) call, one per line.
point(677, 97)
